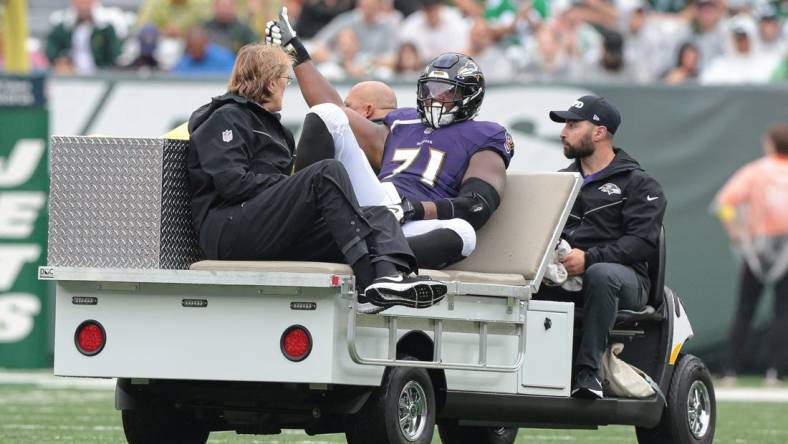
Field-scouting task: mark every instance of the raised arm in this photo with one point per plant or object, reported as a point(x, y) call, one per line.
point(370, 136)
point(316, 89)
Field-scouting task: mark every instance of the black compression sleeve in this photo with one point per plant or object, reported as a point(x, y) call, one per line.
point(478, 187)
point(476, 202)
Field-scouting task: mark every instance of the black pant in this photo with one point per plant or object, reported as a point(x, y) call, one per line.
point(607, 288)
point(750, 292)
point(312, 216)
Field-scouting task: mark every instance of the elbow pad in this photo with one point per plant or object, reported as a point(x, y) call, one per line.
point(476, 202)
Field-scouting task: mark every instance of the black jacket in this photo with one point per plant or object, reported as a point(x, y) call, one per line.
point(618, 215)
point(236, 150)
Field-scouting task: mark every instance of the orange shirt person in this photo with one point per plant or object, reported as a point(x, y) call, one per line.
point(758, 192)
point(753, 206)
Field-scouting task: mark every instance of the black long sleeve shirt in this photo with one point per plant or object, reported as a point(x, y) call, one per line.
point(236, 150)
point(618, 214)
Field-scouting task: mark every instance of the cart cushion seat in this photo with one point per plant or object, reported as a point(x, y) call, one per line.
point(274, 266)
point(523, 231)
point(343, 269)
point(512, 248)
point(470, 277)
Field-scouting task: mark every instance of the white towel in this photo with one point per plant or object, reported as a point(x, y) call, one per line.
point(556, 274)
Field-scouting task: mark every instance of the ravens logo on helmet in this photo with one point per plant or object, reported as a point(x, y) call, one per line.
point(450, 90)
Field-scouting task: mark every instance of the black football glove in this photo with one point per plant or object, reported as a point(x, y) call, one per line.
point(407, 210)
point(281, 33)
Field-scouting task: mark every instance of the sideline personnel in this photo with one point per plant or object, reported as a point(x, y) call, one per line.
point(613, 228)
point(246, 205)
point(372, 99)
point(753, 206)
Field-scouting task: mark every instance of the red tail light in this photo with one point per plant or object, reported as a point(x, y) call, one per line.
point(90, 338)
point(296, 343)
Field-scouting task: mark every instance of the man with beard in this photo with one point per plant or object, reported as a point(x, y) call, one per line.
point(613, 228)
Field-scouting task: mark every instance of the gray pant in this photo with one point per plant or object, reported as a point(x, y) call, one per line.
point(607, 288)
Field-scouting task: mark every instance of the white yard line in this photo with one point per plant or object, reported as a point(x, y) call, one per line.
point(46, 379)
point(752, 394)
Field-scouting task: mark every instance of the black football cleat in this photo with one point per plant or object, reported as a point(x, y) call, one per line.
point(410, 291)
point(365, 306)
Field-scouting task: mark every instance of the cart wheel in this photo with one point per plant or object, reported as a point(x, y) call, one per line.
point(400, 411)
point(691, 413)
point(152, 425)
point(452, 433)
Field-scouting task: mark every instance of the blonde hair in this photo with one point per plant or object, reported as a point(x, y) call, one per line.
point(255, 67)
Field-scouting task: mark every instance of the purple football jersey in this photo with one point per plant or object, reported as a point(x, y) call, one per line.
point(428, 164)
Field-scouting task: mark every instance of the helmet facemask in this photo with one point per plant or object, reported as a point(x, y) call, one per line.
point(450, 90)
point(439, 101)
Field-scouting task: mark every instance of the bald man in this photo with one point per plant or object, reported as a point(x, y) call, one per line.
point(371, 99)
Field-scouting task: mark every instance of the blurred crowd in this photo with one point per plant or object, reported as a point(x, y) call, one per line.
point(629, 41)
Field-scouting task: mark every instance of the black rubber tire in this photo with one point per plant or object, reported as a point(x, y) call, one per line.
point(378, 421)
point(674, 427)
point(452, 433)
point(157, 425)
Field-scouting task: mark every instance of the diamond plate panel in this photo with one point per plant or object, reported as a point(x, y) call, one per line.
point(120, 203)
point(179, 244)
point(104, 202)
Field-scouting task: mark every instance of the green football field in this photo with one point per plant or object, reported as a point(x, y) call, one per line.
point(39, 415)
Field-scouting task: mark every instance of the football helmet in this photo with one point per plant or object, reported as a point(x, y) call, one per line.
point(450, 90)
